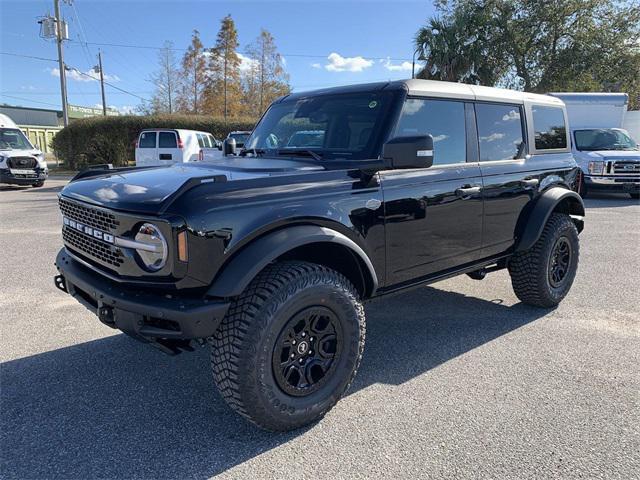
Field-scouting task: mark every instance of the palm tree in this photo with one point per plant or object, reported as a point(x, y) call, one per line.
point(453, 52)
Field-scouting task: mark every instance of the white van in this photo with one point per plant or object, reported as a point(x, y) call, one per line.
point(169, 146)
point(20, 162)
point(607, 155)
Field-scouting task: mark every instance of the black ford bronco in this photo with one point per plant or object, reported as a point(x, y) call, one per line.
point(268, 256)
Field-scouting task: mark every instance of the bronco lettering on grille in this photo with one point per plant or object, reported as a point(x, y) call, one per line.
point(87, 230)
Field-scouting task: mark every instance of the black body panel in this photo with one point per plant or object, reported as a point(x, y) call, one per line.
point(400, 227)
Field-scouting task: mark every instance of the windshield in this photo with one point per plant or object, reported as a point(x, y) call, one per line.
point(604, 139)
point(330, 126)
point(239, 137)
point(12, 138)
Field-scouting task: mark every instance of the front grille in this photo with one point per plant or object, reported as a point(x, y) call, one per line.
point(92, 247)
point(629, 168)
point(92, 217)
point(22, 162)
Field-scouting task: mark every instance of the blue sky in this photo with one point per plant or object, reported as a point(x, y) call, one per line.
point(324, 43)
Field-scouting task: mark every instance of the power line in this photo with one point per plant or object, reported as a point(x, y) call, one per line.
point(28, 100)
point(148, 47)
point(28, 56)
point(107, 83)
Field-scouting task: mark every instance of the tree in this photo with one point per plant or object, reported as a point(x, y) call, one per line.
point(166, 81)
point(266, 78)
point(455, 50)
point(542, 46)
point(193, 77)
point(224, 88)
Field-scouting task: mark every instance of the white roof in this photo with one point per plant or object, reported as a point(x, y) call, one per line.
point(6, 122)
point(463, 91)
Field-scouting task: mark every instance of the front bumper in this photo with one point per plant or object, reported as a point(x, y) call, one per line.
point(168, 322)
point(612, 183)
point(6, 176)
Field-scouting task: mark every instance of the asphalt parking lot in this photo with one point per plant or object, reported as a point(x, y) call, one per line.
point(459, 380)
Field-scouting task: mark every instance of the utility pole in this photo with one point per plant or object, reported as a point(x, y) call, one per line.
point(63, 79)
point(104, 101)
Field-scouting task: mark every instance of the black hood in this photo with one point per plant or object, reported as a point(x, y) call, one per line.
point(149, 190)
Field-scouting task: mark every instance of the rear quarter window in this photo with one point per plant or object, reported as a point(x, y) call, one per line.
point(549, 127)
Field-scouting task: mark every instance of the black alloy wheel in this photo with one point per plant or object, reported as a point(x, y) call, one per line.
point(306, 353)
point(559, 262)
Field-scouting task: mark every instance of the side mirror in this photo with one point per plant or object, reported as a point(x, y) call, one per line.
point(229, 146)
point(409, 152)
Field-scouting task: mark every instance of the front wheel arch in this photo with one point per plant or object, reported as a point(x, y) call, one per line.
point(296, 243)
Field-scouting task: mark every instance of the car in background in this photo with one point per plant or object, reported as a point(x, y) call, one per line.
point(20, 162)
point(605, 152)
point(168, 146)
point(306, 138)
point(239, 136)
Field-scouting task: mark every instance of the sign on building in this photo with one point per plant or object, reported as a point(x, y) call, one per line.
point(77, 111)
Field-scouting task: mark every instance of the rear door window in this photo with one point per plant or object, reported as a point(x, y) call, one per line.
point(167, 140)
point(550, 130)
point(443, 120)
point(500, 132)
point(147, 140)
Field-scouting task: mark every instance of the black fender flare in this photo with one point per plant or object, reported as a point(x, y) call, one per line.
point(236, 275)
point(549, 201)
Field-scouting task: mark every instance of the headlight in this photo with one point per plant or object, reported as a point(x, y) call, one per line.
point(596, 168)
point(152, 247)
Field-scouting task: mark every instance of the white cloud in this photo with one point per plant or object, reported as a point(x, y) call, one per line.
point(124, 109)
point(338, 63)
point(511, 116)
point(246, 63)
point(402, 67)
point(493, 137)
point(316, 65)
point(88, 76)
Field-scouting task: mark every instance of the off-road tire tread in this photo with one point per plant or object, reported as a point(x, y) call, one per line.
point(233, 354)
point(528, 269)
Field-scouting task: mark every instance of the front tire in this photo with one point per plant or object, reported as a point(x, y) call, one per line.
point(635, 195)
point(38, 184)
point(543, 275)
point(289, 346)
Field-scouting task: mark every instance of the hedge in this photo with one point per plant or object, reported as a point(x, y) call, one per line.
point(96, 140)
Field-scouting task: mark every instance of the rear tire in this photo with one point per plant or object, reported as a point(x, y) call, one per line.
point(543, 275)
point(259, 362)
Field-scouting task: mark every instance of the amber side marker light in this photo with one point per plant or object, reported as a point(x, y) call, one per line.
point(182, 247)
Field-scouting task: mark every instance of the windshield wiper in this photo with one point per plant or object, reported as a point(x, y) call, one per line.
point(298, 151)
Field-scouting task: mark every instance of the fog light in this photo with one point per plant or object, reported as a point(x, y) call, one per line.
point(154, 252)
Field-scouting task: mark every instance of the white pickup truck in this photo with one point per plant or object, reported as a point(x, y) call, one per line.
point(168, 146)
point(607, 155)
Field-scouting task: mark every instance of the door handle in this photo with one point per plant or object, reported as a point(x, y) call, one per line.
point(467, 192)
point(530, 182)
